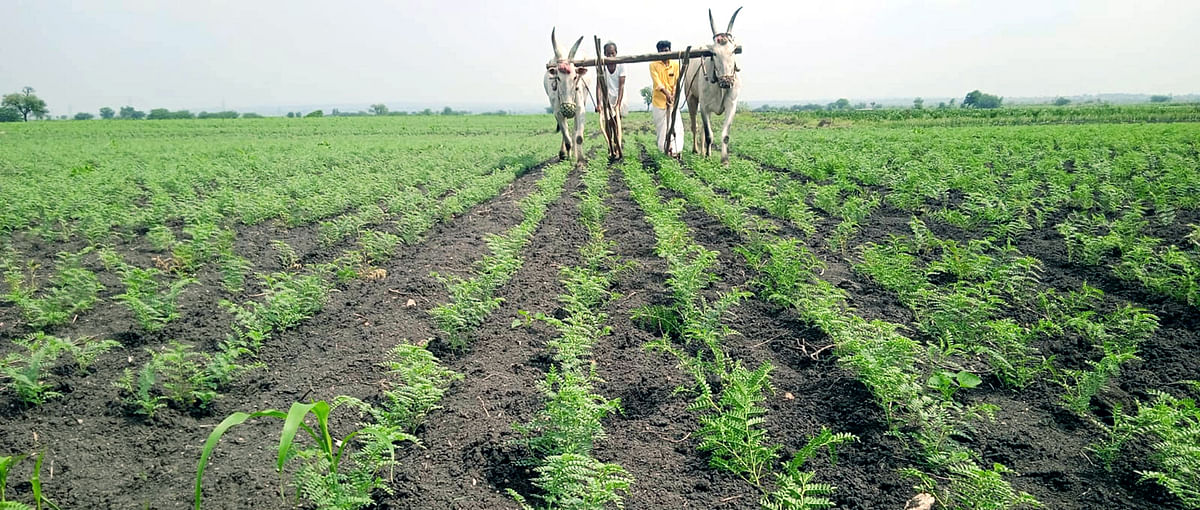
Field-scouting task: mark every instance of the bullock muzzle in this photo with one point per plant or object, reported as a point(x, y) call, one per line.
point(568, 110)
point(725, 82)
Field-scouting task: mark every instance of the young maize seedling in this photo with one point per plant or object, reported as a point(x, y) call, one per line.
point(35, 483)
point(333, 474)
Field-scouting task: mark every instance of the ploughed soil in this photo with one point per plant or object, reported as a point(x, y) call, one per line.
point(99, 455)
point(1045, 444)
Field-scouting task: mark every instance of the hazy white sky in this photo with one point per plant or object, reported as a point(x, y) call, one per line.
point(201, 54)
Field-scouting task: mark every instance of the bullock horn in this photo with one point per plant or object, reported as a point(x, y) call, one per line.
point(554, 42)
point(712, 25)
point(730, 29)
point(573, 48)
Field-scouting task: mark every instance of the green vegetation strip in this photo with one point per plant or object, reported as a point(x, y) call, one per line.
point(1110, 188)
point(730, 412)
point(343, 472)
point(473, 299)
point(888, 363)
point(562, 435)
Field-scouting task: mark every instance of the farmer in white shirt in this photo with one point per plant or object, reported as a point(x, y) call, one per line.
point(616, 82)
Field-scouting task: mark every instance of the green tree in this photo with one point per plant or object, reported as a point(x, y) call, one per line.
point(379, 109)
point(128, 112)
point(447, 111)
point(840, 104)
point(159, 114)
point(647, 96)
point(918, 103)
point(228, 114)
point(25, 103)
point(84, 116)
point(290, 115)
point(1061, 101)
point(1160, 99)
point(316, 113)
point(106, 113)
point(977, 99)
point(9, 114)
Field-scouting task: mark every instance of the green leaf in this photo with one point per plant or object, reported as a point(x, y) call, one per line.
point(291, 424)
point(233, 419)
point(967, 379)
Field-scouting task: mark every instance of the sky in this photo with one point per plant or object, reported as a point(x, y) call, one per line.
point(209, 54)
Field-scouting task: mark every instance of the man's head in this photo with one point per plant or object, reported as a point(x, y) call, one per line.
point(664, 45)
point(610, 49)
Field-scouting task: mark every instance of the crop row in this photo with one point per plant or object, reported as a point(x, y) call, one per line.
point(326, 479)
point(179, 375)
point(730, 411)
point(1104, 189)
point(964, 324)
point(561, 436)
point(473, 299)
point(919, 405)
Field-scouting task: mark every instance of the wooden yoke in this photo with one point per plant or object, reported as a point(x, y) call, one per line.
point(645, 57)
point(674, 106)
point(610, 117)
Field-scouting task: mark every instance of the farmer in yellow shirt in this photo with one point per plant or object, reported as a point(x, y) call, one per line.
point(664, 74)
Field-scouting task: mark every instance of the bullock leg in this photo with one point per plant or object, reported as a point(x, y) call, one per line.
point(729, 111)
point(692, 103)
point(566, 139)
point(706, 120)
point(579, 139)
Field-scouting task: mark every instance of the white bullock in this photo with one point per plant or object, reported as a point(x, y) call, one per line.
point(567, 91)
point(712, 86)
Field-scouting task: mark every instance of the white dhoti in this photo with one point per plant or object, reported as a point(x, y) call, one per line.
point(660, 126)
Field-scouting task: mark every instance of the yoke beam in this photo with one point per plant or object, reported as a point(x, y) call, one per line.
point(645, 57)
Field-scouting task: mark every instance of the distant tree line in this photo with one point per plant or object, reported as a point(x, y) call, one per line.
point(20, 106)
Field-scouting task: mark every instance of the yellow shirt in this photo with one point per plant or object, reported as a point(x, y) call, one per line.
point(663, 76)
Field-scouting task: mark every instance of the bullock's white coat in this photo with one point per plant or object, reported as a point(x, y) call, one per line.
point(567, 90)
point(711, 86)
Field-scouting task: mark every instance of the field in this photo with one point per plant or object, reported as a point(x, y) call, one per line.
point(999, 309)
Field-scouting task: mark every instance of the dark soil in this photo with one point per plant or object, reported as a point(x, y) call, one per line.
point(1034, 435)
point(99, 456)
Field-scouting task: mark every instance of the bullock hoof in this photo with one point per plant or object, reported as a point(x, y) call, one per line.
point(562, 155)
